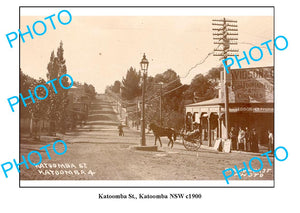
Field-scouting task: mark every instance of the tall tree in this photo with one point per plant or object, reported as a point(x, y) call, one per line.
point(131, 87)
point(63, 93)
point(58, 101)
point(52, 99)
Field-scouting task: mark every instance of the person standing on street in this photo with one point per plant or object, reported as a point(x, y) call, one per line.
point(189, 123)
point(121, 132)
point(248, 140)
point(254, 141)
point(233, 137)
point(271, 141)
point(241, 139)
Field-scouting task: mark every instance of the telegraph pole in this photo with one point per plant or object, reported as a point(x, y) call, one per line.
point(226, 28)
point(137, 114)
point(160, 106)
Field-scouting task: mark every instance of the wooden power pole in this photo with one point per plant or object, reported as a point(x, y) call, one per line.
point(224, 36)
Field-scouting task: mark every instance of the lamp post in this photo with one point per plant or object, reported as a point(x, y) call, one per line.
point(144, 67)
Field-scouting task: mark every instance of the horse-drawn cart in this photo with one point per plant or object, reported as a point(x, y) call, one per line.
point(191, 140)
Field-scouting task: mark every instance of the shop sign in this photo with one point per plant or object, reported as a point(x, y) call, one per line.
point(252, 109)
point(252, 85)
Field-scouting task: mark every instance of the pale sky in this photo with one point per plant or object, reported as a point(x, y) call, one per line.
point(100, 49)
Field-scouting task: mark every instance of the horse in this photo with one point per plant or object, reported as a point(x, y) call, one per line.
point(163, 132)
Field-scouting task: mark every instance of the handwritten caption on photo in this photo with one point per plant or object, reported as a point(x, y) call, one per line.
point(64, 169)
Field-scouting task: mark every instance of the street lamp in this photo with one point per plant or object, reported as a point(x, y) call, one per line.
point(144, 67)
point(144, 64)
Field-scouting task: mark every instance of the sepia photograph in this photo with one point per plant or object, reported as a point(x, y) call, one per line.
point(136, 96)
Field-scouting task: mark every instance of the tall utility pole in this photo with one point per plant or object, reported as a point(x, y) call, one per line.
point(160, 102)
point(137, 114)
point(160, 105)
point(226, 28)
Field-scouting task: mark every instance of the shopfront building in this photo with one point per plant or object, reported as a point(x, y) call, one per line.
point(251, 105)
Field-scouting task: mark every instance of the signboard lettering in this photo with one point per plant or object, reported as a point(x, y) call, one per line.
point(252, 85)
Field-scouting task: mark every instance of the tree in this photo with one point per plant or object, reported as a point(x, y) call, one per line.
point(89, 90)
point(52, 99)
point(77, 84)
point(214, 73)
point(25, 82)
point(200, 85)
point(38, 109)
point(172, 107)
point(131, 88)
point(116, 87)
point(63, 93)
point(167, 77)
point(173, 97)
point(57, 100)
point(34, 111)
point(203, 87)
point(92, 91)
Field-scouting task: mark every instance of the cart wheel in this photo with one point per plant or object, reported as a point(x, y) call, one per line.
point(191, 146)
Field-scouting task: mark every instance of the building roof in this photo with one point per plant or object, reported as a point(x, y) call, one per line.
point(214, 101)
point(219, 101)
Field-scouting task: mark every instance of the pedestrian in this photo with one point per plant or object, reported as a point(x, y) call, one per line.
point(241, 139)
point(270, 140)
point(233, 137)
point(248, 139)
point(189, 122)
point(254, 141)
point(121, 132)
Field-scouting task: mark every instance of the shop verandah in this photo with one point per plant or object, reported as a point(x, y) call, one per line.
point(211, 117)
